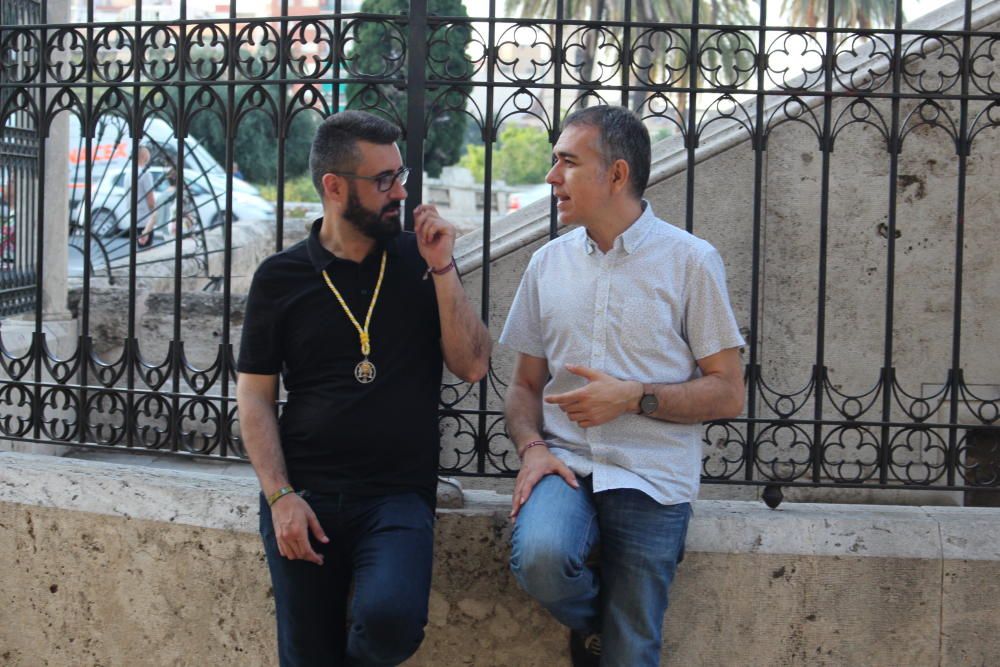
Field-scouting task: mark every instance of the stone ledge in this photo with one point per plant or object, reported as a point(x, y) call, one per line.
point(224, 502)
point(123, 565)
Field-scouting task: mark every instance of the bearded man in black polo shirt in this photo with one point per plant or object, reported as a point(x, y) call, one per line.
point(357, 318)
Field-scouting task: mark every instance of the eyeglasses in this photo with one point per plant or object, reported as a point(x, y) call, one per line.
point(383, 181)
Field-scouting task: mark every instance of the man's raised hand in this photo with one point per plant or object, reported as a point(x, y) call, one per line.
point(601, 400)
point(435, 236)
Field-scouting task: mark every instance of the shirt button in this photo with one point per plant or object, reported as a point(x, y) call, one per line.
point(364, 292)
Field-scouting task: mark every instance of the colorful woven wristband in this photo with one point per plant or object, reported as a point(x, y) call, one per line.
point(279, 494)
point(533, 443)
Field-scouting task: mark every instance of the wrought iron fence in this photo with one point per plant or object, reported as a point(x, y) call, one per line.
point(694, 81)
point(18, 177)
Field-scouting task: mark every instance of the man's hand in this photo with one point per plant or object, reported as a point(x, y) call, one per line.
point(293, 519)
point(538, 462)
point(601, 400)
point(435, 236)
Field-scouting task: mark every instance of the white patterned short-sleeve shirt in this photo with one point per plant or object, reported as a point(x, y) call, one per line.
point(646, 310)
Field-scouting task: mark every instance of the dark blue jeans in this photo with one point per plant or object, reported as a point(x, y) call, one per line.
point(383, 545)
point(641, 543)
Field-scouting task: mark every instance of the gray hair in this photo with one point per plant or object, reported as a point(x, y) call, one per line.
point(622, 136)
point(335, 146)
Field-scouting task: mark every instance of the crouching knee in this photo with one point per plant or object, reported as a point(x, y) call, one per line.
point(546, 572)
point(386, 637)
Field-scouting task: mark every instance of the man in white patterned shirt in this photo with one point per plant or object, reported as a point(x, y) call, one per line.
point(626, 343)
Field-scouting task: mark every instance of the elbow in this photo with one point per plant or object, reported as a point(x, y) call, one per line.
point(729, 402)
point(476, 364)
point(475, 371)
point(736, 407)
point(736, 401)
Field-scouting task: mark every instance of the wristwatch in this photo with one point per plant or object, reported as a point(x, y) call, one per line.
point(648, 404)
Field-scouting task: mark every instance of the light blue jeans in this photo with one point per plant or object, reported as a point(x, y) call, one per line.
point(641, 543)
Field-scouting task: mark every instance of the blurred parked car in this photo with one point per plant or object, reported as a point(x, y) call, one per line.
point(110, 165)
point(205, 202)
point(522, 198)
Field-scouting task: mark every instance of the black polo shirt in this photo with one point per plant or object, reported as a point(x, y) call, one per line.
point(337, 434)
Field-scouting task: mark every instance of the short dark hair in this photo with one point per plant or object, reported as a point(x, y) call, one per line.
point(622, 137)
point(335, 146)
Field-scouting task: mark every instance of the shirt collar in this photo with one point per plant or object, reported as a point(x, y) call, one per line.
point(322, 258)
point(631, 238)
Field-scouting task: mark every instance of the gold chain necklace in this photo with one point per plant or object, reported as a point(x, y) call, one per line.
point(364, 372)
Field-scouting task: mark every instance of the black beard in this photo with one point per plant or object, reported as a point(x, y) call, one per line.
point(378, 225)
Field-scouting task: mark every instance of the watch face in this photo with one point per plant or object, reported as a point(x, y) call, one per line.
point(648, 404)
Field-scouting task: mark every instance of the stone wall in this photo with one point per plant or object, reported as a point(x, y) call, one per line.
point(124, 565)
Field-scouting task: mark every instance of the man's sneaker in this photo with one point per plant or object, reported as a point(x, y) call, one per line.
point(584, 650)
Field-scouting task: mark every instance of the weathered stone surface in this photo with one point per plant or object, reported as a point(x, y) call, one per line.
point(781, 610)
point(119, 565)
point(86, 589)
point(449, 493)
point(971, 589)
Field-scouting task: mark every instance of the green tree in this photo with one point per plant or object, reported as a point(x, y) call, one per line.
point(475, 161)
point(521, 156)
point(525, 155)
point(378, 49)
point(255, 146)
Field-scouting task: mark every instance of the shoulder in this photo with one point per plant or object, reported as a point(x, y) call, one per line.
point(558, 248)
point(680, 244)
point(293, 258)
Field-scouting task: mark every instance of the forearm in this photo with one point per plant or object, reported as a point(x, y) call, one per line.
point(259, 431)
point(695, 401)
point(465, 341)
point(523, 413)
point(151, 216)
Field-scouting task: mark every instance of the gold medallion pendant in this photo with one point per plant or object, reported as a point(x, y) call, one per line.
point(364, 372)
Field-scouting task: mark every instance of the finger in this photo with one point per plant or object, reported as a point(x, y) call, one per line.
point(518, 486)
point(432, 229)
point(563, 471)
point(316, 528)
point(584, 371)
point(521, 495)
point(419, 220)
point(287, 548)
point(306, 551)
point(520, 499)
point(515, 500)
point(561, 399)
point(430, 233)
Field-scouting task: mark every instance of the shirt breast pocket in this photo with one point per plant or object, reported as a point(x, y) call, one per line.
point(648, 327)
